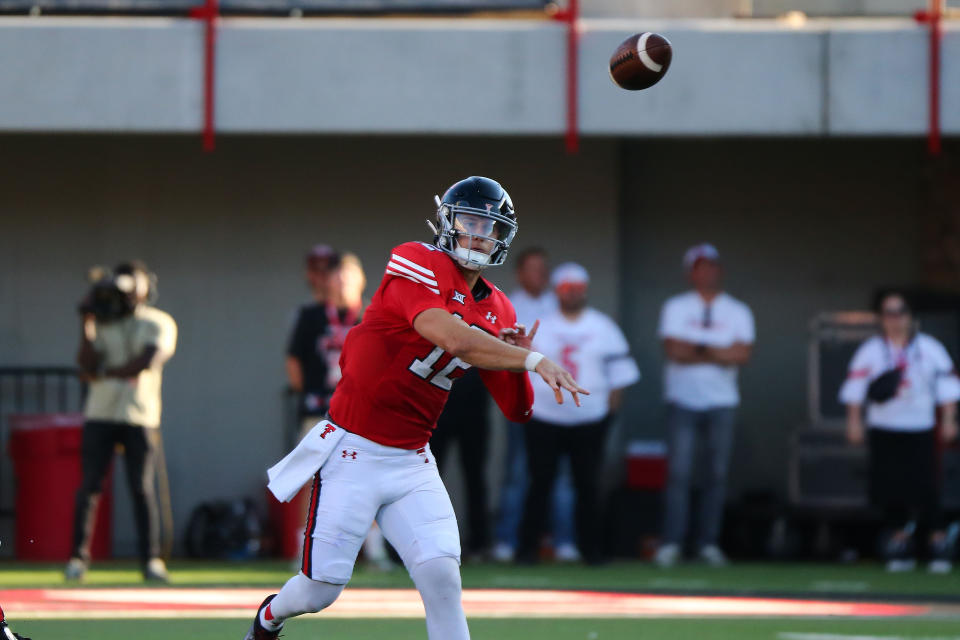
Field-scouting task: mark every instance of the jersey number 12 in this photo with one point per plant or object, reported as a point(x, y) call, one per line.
point(424, 369)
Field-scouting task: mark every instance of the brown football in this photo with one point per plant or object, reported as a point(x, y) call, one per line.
point(640, 61)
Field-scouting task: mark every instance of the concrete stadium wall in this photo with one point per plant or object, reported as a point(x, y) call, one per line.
point(461, 76)
point(226, 234)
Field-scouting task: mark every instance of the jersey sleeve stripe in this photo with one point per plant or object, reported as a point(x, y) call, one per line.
point(412, 265)
point(403, 275)
point(414, 274)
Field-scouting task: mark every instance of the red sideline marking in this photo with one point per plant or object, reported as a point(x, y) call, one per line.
point(402, 603)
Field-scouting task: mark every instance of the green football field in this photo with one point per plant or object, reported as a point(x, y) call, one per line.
point(519, 629)
point(861, 582)
point(857, 580)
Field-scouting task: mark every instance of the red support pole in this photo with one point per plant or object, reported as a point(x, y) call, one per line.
point(208, 13)
point(935, 19)
point(936, 37)
point(209, 69)
point(571, 16)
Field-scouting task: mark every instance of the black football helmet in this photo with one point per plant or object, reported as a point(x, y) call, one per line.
point(475, 223)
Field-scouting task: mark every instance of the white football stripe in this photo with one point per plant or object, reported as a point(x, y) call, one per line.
point(403, 269)
point(644, 56)
point(403, 275)
point(412, 265)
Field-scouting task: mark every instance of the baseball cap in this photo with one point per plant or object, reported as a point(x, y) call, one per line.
point(704, 251)
point(323, 253)
point(569, 273)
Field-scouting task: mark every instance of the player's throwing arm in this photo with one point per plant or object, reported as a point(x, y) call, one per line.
point(482, 350)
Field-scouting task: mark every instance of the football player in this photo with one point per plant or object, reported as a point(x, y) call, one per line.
point(433, 317)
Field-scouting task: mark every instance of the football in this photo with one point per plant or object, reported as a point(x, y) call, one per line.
point(640, 61)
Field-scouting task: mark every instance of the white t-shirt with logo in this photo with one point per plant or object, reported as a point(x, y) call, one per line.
point(928, 380)
point(530, 309)
point(593, 349)
point(684, 317)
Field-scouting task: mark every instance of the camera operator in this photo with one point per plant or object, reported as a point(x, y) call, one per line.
point(123, 346)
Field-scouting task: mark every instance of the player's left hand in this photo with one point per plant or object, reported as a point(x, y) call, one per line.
point(519, 337)
point(558, 379)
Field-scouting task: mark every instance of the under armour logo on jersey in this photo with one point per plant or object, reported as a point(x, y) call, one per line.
point(459, 297)
point(329, 429)
point(491, 317)
point(348, 454)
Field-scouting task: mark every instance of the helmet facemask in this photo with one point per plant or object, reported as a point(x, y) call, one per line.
point(474, 238)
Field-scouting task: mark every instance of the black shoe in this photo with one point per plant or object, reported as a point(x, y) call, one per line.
point(256, 631)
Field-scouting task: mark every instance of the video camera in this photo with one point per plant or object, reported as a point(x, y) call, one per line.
point(114, 295)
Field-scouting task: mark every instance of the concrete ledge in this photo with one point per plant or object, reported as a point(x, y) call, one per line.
point(470, 76)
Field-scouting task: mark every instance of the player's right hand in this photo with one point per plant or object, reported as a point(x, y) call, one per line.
point(559, 378)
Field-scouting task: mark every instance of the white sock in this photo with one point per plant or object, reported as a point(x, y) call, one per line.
point(438, 582)
point(273, 624)
point(299, 595)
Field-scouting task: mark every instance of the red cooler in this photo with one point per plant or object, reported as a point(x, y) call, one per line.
point(45, 448)
point(647, 465)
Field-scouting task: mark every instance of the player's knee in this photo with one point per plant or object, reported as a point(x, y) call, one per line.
point(438, 579)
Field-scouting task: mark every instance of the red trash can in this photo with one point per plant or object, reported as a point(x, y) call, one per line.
point(45, 448)
point(288, 521)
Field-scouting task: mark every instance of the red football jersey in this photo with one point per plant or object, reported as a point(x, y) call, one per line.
point(395, 382)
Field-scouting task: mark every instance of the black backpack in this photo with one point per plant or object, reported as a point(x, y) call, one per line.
point(224, 529)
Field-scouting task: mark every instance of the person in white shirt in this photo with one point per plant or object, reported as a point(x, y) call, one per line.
point(594, 350)
point(124, 345)
point(533, 300)
point(707, 335)
point(902, 377)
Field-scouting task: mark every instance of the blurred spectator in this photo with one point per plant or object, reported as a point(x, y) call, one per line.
point(707, 334)
point(533, 301)
point(313, 351)
point(591, 346)
point(465, 418)
point(313, 355)
point(124, 344)
point(902, 376)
